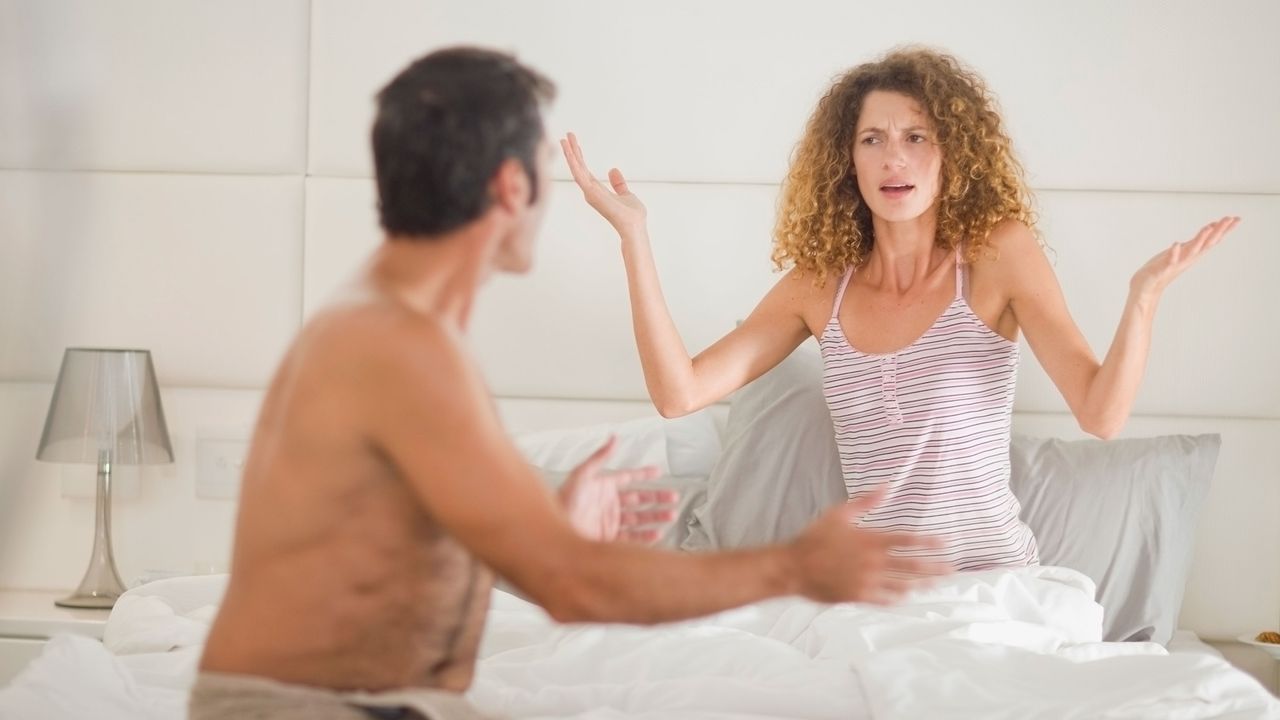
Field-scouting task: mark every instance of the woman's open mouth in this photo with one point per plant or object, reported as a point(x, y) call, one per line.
point(895, 191)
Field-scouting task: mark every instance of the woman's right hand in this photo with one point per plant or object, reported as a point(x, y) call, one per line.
point(619, 206)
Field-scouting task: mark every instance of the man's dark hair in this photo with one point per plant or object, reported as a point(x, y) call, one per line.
point(445, 124)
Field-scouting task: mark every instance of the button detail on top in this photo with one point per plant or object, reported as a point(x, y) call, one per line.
point(889, 388)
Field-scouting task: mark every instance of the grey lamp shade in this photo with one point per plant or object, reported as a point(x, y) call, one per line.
point(106, 401)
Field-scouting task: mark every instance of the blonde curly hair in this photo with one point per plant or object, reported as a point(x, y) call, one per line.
point(824, 226)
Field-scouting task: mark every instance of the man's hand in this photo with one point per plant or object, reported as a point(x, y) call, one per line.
point(600, 508)
point(840, 562)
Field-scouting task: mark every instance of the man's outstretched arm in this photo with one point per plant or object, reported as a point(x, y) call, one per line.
point(432, 416)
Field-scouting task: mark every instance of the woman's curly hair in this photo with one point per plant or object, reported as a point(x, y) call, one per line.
point(823, 224)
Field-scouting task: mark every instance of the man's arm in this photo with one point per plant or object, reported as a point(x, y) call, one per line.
point(431, 415)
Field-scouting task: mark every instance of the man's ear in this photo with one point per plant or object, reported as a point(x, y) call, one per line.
point(510, 186)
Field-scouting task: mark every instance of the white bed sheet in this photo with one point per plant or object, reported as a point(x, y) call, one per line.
point(1015, 643)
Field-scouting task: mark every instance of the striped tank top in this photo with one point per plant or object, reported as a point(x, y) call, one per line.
point(932, 421)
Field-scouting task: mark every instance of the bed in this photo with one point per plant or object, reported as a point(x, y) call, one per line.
point(1005, 643)
point(1001, 644)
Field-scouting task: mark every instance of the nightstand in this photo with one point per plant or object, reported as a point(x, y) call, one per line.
point(1251, 660)
point(28, 618)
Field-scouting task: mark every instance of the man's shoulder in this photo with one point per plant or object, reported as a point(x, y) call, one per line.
point(383, 339)
point(371, 328)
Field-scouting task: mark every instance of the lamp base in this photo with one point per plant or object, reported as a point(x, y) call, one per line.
point(98, 601)
point(101, 585)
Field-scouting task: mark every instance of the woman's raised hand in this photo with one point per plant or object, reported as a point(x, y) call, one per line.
point(1152, 278)
point(617, 203)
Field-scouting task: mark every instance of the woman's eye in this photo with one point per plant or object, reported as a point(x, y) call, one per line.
point(916, 138)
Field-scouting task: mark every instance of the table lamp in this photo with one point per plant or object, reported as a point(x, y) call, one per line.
point(105, 411)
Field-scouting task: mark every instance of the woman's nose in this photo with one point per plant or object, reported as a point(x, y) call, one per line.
point(894, 156)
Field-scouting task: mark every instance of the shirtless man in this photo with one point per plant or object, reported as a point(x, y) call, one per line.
point(381, 493)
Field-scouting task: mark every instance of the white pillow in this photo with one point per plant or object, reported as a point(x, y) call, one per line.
point(685, 446)
point(693, 444)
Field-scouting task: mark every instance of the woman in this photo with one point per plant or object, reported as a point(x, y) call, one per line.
point(907, 223)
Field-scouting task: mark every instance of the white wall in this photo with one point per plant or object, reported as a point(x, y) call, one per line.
point(193, 177)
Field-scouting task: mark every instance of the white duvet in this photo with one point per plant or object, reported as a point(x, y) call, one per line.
point(1003, 644)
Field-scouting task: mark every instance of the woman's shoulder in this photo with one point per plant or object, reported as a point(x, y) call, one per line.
point(1012, 259)
point(1009, 246)
point(1012, 235)
point(807, 294)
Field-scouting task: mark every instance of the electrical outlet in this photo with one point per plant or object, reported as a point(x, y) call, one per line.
point(219, 465)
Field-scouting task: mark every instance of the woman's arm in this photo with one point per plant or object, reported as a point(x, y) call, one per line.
point(1100, 395)
point(677, 383)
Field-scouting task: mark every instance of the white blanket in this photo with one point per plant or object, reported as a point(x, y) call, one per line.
point(1015, 644)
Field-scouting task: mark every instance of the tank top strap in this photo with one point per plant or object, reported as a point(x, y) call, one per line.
point(844, 283)
point(962, 275)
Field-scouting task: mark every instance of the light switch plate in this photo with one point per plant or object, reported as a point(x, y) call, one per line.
point(220, 458)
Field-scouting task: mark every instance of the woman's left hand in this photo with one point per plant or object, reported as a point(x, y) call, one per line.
point(1152, 278)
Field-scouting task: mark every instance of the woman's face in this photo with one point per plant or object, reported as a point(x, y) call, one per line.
point(896, 158)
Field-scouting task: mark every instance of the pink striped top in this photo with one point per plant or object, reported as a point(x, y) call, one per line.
point(933, 421)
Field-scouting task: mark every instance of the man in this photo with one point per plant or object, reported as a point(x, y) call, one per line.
point(381, 493)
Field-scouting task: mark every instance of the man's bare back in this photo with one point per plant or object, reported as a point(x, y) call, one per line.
point(342, 578)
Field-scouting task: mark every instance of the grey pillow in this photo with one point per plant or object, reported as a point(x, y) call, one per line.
point(779, 468)
point(1122, 512)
